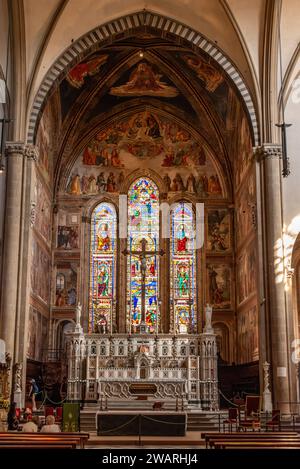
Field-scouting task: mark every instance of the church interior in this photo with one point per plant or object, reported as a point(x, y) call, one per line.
point(150, 216)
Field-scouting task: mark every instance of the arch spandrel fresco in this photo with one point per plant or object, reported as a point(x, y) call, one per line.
point(145, 140)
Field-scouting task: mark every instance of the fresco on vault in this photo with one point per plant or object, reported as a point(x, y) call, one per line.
point(143, 81)
point(244, 149)
point(211, 77)
point(78, 73)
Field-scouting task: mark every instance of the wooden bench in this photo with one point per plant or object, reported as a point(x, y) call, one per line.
point(30, 443)
point(79, 438)
point(295, 444)
point(41, 446)
point(214, 440)
point(207, 436)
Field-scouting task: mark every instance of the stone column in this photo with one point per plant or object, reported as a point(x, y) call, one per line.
point(15, 152)
point(269, 156)
point(28, 215)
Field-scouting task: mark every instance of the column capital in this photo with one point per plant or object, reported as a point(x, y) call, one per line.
point(15, 148)
point(268, 151)
point(21, 149)
point(31, 151)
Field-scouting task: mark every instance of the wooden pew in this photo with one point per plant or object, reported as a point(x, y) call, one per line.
point(28, 446)
point(291, 444)
point(38, 444)
point(80, 438)
point(213, 440)
point(210, 435)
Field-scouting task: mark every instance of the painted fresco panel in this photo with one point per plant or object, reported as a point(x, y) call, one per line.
point(40, 272)
point(219, 278)
point(145, 140)
point(218, 231)
point(248, 335)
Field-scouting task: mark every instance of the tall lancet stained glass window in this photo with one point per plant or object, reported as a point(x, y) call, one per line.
point(183, 268)
point(142, 260)
point(103, 269)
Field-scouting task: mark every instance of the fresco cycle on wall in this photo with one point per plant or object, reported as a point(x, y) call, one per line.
point(248, 349)
point(40, 272)
point(219, 285)
point(144, 140)
point(218, 230)
point(37, 335)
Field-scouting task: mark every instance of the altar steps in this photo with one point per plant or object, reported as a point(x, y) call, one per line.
point(204, 422)
point(88, 421)
point(197, 422)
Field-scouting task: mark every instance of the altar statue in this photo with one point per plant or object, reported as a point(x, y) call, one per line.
point(208, 316)
point(78, 313)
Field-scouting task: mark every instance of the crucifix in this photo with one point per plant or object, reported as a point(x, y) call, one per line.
point(143, 254)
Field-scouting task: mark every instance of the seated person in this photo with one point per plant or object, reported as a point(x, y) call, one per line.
point(29, 425)
point(50, 425)
point(12, 421)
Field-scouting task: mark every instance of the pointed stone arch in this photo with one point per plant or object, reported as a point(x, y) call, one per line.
point(128, 25)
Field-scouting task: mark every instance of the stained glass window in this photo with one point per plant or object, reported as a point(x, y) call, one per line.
point(102, 268)
point(142, 261)
point(183, 268)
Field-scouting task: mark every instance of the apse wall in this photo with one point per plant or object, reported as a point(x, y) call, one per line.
point(247, 298)
point(41, 255)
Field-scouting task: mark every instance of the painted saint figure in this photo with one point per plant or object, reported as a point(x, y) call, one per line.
point(111, 183)
point(74, 185)
point(101, 184)
point(143, 81)
point(103, 281)
point(182, 281)
point(190, 185)
point(182, 239)
point(103, 239)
